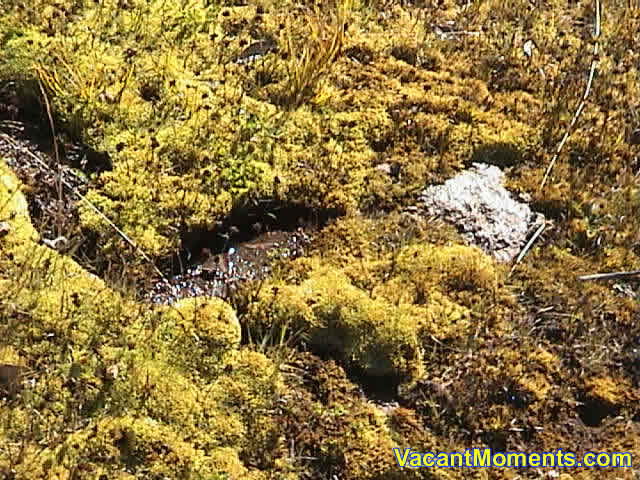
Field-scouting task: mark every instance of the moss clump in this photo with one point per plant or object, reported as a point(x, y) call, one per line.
point(14, 207)
point(200, 331)
point(368, 334)
point(128, 390)
point(463, 274)
point(142, 446)
point(375, 292)
point(609, 391)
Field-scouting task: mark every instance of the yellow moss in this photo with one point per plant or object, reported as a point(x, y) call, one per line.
point(14, 208)
point(191, 134)
point(10, 356)
point(609, 390)
point(174, 399)
point(104, 354)
point(144, 446)
point(368, 439)
point(371, 335)
point(458, 267)
point(536, 383)
point(226, 460)
point(547, 360)
point(167, 104)
point(200, 331)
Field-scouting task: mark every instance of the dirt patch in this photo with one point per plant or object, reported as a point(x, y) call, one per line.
point(52, 204)
point(220, 274)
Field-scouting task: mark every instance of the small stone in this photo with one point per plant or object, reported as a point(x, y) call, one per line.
point(58, 243)
point(528, 48)
point(483, 211)
point(384, 168)
point(112, 372)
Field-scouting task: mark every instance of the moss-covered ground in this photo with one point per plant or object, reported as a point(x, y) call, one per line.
point(391, 331)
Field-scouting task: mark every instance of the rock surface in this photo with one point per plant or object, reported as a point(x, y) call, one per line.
point(485, 213)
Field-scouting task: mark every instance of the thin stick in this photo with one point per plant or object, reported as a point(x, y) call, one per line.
point(526, 248)
point(98, 212)
point(592, 71)
point(610, 276)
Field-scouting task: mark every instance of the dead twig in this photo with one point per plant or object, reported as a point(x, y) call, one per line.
point(73, 190)
point(610, 276)
point(527, 247)
point(578, 112)
point(59, 188)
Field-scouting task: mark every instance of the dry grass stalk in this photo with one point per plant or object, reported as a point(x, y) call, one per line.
point(578, 112)
point(318, 51)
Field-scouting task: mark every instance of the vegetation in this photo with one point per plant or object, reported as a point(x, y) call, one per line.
point(351, 107)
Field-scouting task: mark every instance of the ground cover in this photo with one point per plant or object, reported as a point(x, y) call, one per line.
point(196, 125)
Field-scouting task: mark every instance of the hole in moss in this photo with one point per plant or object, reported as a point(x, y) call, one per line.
point(361, 54)
point(149, 92)
point(430, 62)
point(246, 222)
point(553, 333)
point(405, 53)
point(377, 389)
point(19, 101)
point(255, 50)
point(381, 144)
point(551, 208)
point(496, 440)
point(499, 154)
point(631, 359)
point(593, 411)
point(241, 248)
point(10, 376)
point(511, 394)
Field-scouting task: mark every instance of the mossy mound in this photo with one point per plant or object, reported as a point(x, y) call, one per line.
point(369, 334)
point(200, 328)
point(377, 326)
point(128, 390)
point(144, 446)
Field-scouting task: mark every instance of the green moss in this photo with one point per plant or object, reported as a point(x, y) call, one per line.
point(130, 390)
point(463, 274)
point(138, 446)
point(200, 331)
point(14, 208)
point(371, 335)
point(166, 103)
point(191, 134)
